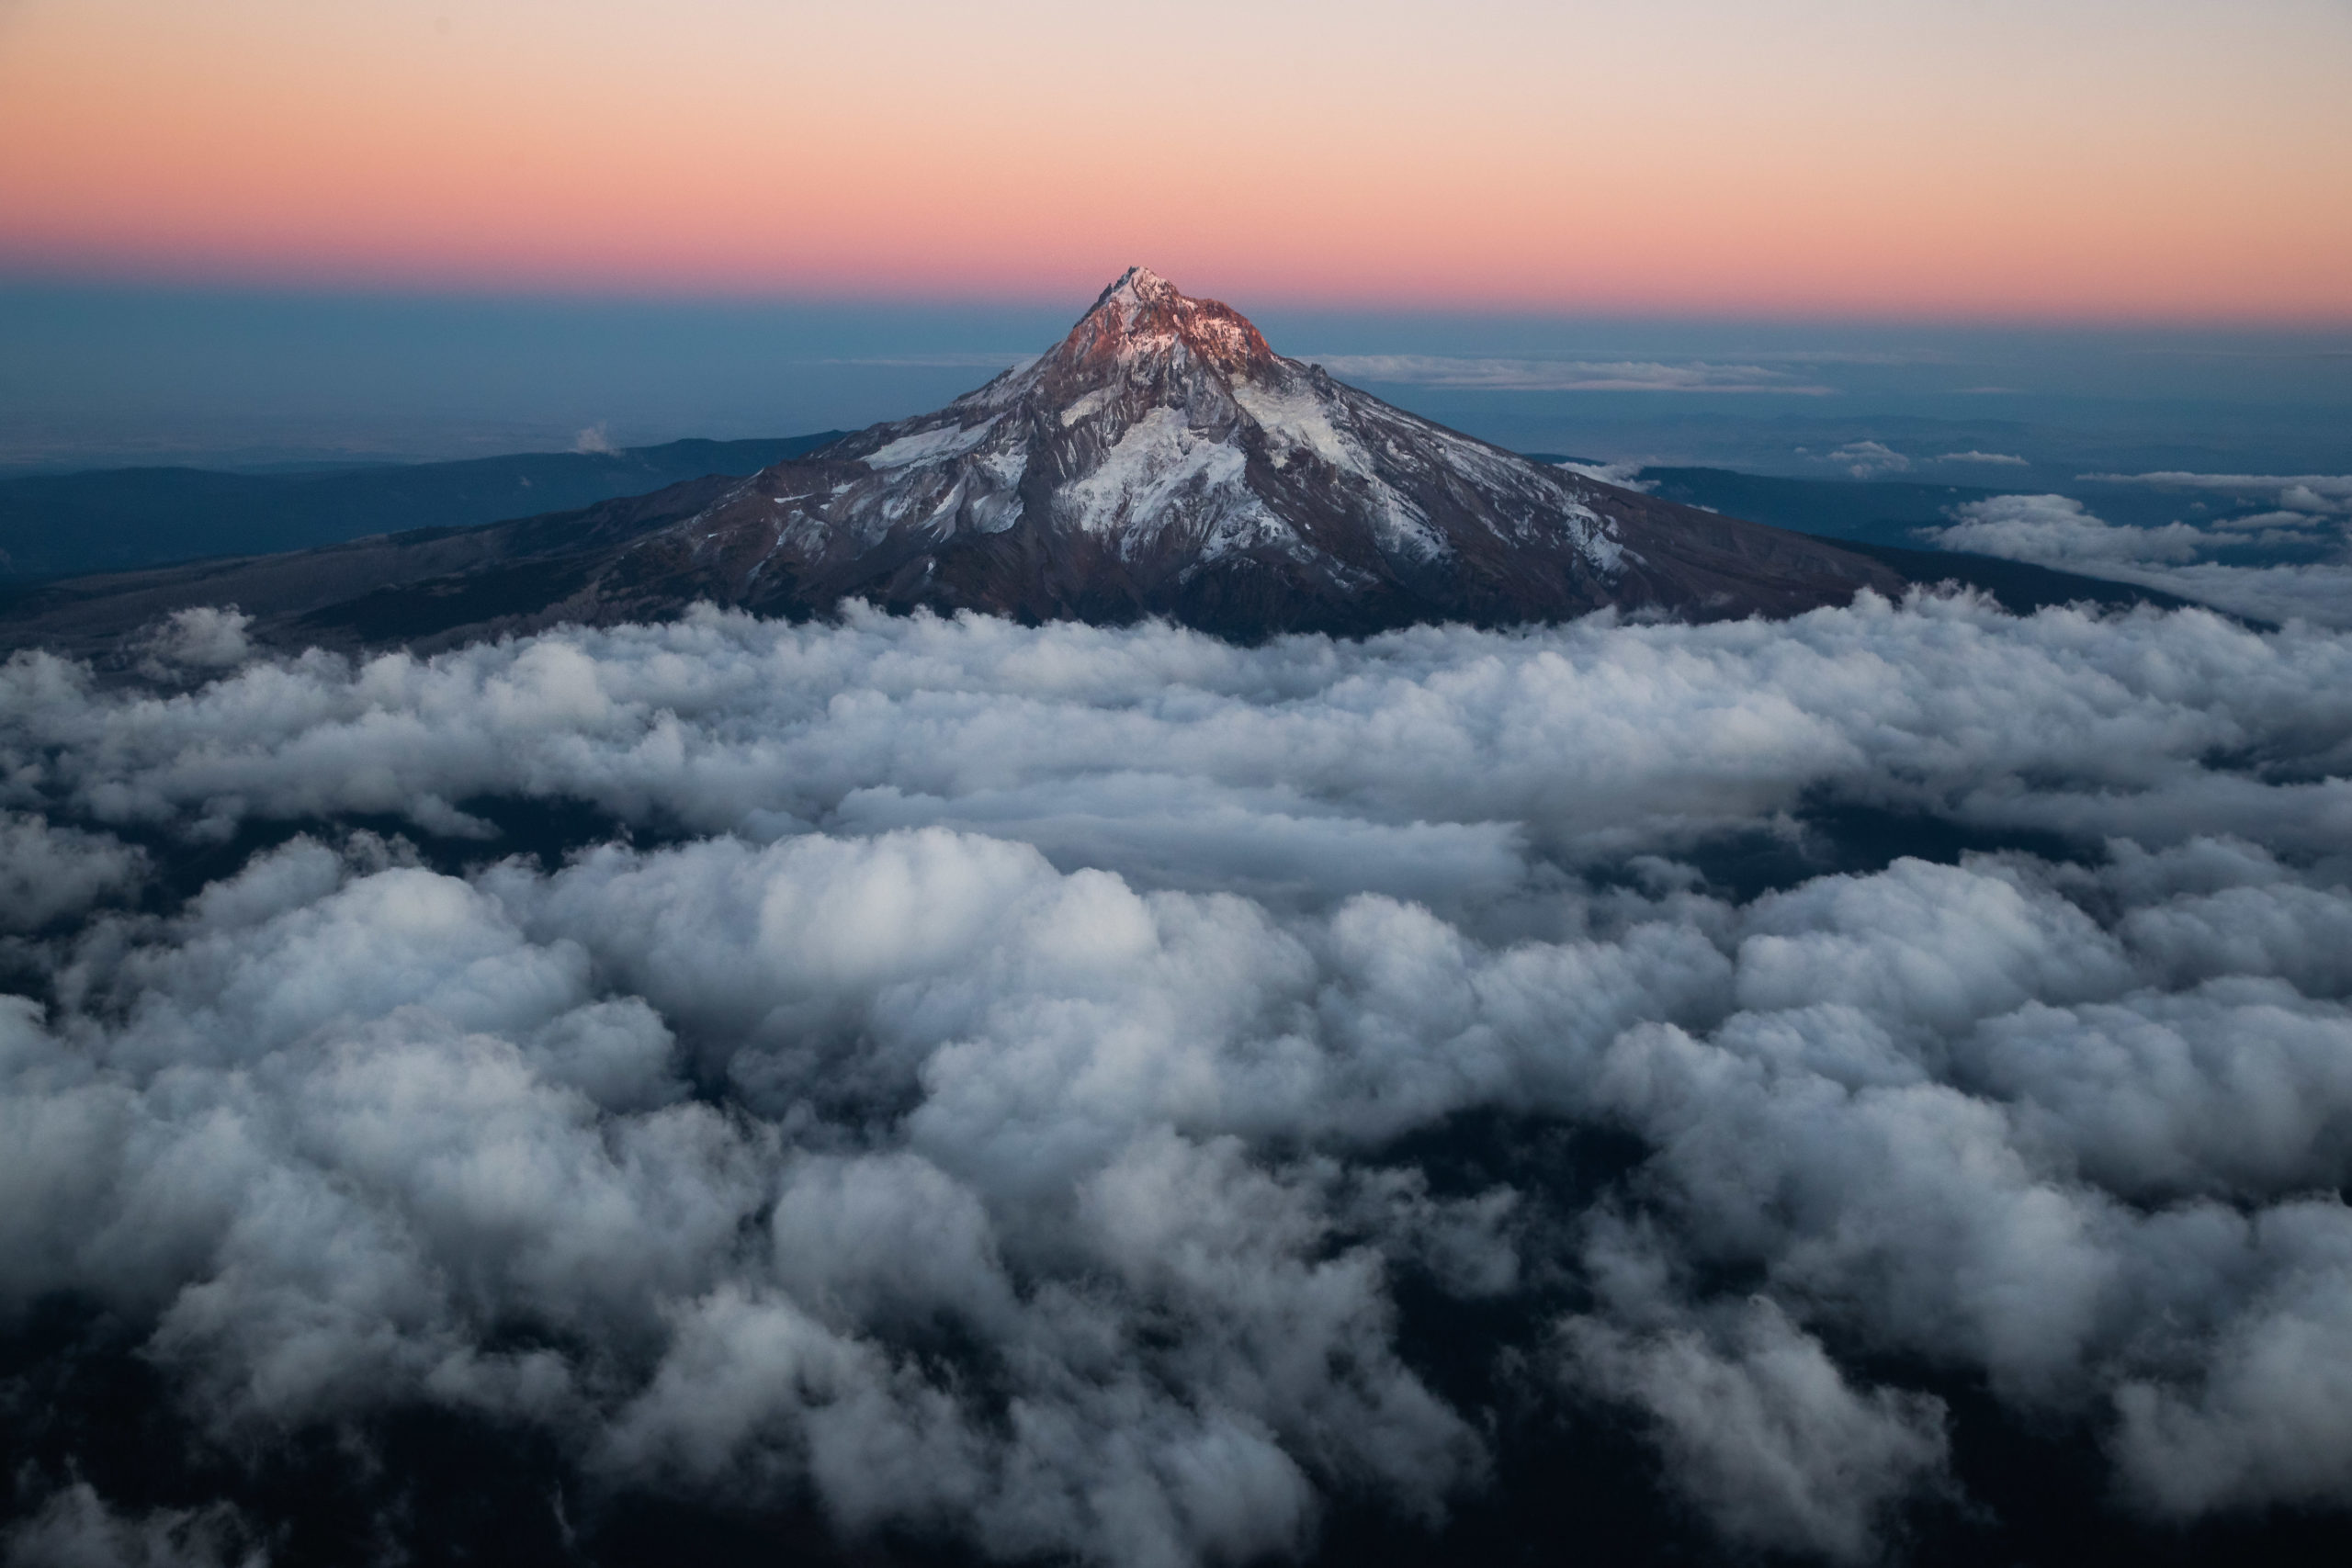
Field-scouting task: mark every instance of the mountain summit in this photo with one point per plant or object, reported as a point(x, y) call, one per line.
point(1162, 460)
point(1142, 314)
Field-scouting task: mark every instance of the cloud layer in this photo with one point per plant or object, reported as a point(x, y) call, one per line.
point(2054, 530)
point(971, 1076)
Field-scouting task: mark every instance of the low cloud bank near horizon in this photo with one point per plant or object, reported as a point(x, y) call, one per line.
point(982, 1080)
point(2305, 518)
point(1501, 375)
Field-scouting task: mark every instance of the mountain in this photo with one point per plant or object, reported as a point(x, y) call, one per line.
point(124, 519)
point(1160, 460)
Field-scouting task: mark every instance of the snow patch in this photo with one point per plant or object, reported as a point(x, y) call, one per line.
point(944, 441)
point(1402, 528)
point(1158, 464)
point(1092, 402)
point(1302, 419)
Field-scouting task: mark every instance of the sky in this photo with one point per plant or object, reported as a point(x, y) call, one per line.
point(2167, 160)
point(253, 233)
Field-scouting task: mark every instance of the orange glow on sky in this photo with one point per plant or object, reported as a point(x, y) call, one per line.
point(2166, 159)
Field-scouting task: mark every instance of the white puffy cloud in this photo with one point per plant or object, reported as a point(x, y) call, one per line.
point(47, 872)
point(1867, 459)
point(195, 641)
point(2057, 531)
point(990, 1095)
point(2240, 1087)
point(1763, 1431)
point(2054, 530)
point(1429, 764)
point(2267, 1421)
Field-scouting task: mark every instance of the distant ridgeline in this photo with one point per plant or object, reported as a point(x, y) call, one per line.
point(1878, 512)
point(119, 519)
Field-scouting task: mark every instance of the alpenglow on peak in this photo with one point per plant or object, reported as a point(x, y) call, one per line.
point(1143, 314)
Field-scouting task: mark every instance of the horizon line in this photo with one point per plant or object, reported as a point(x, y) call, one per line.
point(557, 291)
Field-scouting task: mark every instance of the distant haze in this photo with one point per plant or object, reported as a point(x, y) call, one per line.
point(2111, 159)
point(94, 375)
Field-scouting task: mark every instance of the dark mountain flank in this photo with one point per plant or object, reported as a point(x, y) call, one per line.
point(1160, 460)
point(124, 519)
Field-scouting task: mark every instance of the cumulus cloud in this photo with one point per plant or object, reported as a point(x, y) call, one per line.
point(48, 872)
point(2002, 459)
point(2318, 592)
point(2265, 1422)
point(2055, 530)
point(982, 1080)
point(198, 640)
point(1433, 765)
point(1867, 459)
point(1763, 1432)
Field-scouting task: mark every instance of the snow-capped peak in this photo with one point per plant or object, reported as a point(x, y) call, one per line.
point(1143, 316)
point(1138, 285)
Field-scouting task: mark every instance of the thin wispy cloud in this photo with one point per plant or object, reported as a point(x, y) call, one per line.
point(1862, 459)
point(1563, 375)
point(949, 361)
point(1845, 357)
point(1625, 475)
point(2293, 493)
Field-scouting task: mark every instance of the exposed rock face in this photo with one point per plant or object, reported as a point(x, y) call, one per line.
point(1162, 459)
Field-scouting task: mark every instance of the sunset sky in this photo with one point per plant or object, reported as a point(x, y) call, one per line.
point(2151, 160)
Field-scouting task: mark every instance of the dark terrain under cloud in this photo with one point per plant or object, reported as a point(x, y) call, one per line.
point(1001, 1092)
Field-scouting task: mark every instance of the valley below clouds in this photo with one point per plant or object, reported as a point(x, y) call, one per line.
point(1077, 1093)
